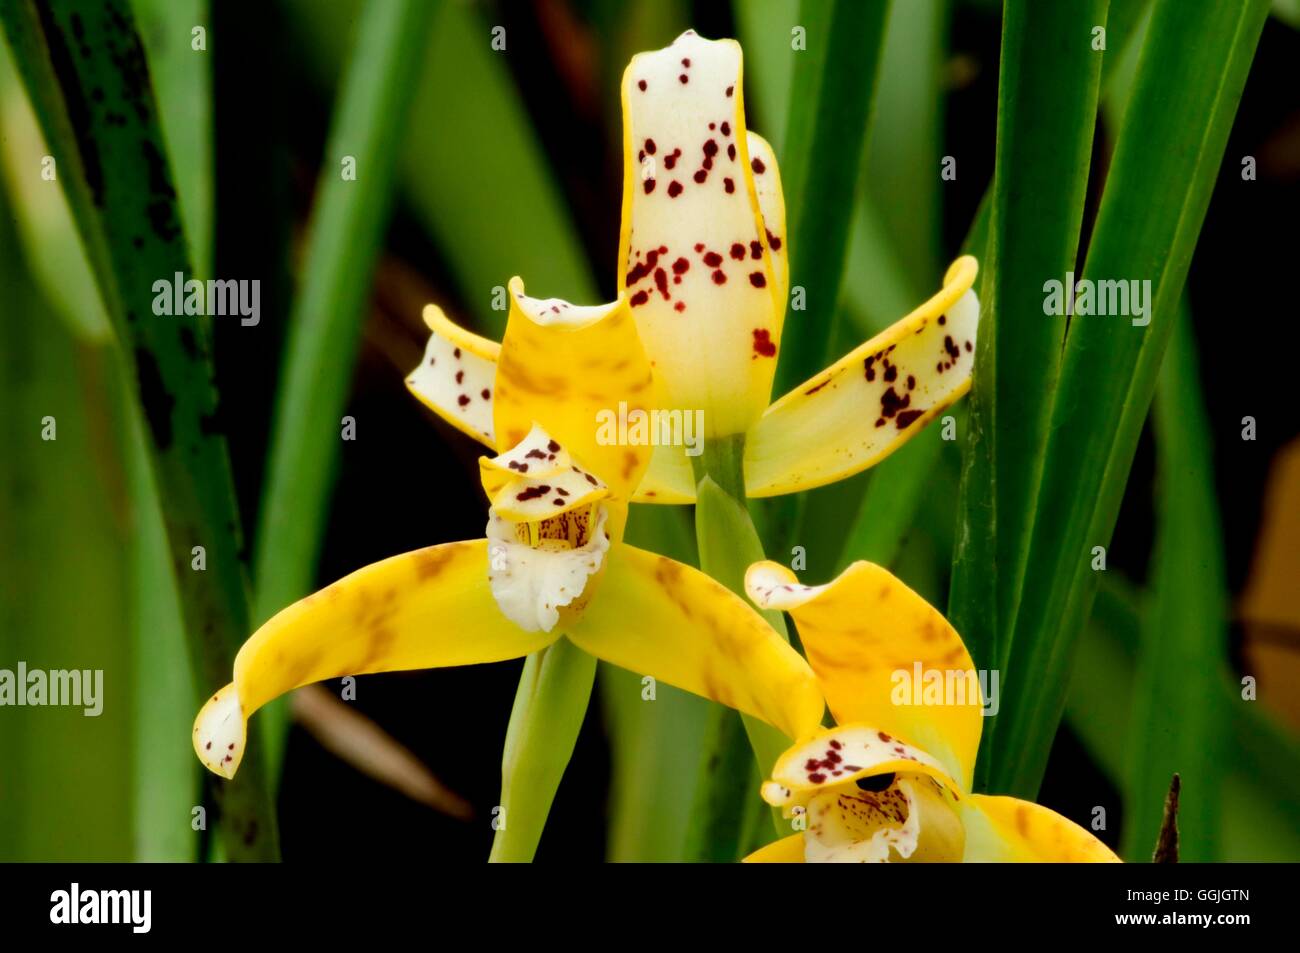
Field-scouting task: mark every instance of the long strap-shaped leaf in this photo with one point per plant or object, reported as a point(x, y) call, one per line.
point(1188, 83)
point(1047, 104)
point(325, 325)
point(1180, 723)
point(85, 70)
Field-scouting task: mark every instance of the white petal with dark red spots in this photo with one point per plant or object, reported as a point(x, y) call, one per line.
point(694, 256)
point(456, 377)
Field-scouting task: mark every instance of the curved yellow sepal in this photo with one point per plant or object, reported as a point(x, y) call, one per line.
point(695, 260)
point(576, 370)
point(425, 609)
point(661, 618)
point(870, 402)
point(787, 850)
point(884, 657)
point(1008, 830)
point(456, 376)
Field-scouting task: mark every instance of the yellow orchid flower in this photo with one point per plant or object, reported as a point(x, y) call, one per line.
point(552, 564)
point(704, 263)
point(890, 782)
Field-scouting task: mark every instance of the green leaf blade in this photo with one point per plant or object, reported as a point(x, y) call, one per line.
point(1188, 82)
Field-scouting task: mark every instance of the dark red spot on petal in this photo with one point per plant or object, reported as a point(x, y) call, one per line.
point(763, 343)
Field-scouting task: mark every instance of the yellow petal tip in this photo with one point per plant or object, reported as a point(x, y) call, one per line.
point(219, 733)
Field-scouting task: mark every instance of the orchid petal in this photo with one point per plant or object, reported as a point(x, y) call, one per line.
point(871, 639)
point(1007, 829)
point(661, 618)
point(571, 367)
point(424, 609)
point(870, 402)
point(842, 755)
point(670, 478)
point(787, 850)
point(455, 377)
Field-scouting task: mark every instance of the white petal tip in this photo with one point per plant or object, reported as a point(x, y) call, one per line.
point(219, 733)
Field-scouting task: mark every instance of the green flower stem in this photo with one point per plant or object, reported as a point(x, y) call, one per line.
point(653, 746)
point(728, 544)
point(550, 704)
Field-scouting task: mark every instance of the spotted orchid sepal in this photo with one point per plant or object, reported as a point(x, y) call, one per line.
point(891, 781)
point(701, 249)
point(871, 401)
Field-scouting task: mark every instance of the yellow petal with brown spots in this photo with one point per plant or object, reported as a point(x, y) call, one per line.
point(1007, 829)
point(455, 378)
point(871, 401)
point(842, 755)
point(425, 609)
point(695, 257)
point(657, 617)
point(884, 657)
point(573, 370)
point(787, 850)
point(537, 479)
